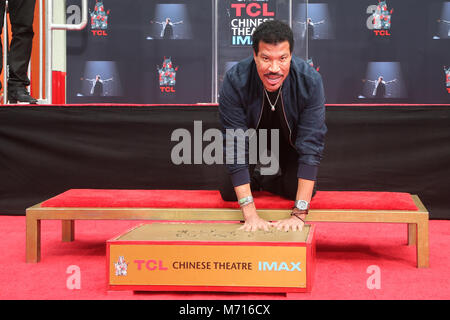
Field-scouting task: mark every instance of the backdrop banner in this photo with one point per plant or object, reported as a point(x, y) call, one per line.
point(178, 51)
point(140, 51)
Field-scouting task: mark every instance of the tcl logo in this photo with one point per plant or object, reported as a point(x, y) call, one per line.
point(382, 33)
point(167, 89)
point(380, 18)
point(150, 265)
point(101, 33)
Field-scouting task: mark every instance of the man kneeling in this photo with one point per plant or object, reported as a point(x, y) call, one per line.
point(279, 92)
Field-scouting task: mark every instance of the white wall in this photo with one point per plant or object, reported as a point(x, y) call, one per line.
point(59, 36)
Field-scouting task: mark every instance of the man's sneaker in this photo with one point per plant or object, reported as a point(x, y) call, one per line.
point(20, 95)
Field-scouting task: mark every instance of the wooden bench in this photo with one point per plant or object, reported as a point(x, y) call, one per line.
point(207, 205)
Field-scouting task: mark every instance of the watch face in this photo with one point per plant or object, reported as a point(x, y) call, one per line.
point(302, 205)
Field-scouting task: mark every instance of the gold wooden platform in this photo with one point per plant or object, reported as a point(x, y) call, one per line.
point(178, 256)
point(416, 221)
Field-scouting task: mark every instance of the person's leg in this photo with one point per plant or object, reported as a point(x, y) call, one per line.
point(285, 183)
point(225, 186)
point(2, 16)
point(289, 180)
point(21, 13)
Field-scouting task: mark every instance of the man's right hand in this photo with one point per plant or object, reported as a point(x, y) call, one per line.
point(252, 221)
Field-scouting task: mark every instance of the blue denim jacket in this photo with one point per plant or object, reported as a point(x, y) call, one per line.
point(303, 100)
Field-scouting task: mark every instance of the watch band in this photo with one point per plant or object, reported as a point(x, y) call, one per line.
point(245, 201)
point(296, 211)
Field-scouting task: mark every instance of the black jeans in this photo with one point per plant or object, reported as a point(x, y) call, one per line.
point(21, 15)
point(284, 183)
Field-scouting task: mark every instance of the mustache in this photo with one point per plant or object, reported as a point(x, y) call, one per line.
point(273, 74)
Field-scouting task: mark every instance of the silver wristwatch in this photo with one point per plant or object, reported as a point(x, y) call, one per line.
point(302, 204)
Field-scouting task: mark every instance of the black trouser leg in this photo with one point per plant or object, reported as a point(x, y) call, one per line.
point(226, 188)
point(2, 17)
point(284, 183)
point(21, 14)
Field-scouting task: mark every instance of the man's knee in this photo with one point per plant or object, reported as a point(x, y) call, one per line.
point(227, 195)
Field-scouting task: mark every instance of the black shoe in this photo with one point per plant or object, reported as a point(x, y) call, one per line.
point(20, 95)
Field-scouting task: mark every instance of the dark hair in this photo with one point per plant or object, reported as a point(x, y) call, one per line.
point(272, 32)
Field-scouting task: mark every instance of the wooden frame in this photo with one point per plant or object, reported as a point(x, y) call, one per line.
point(417, 221)
point(309, 244)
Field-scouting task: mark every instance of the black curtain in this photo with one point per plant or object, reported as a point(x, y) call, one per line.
point(46, 150)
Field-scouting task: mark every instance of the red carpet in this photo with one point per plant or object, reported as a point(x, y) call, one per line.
point(344, 252)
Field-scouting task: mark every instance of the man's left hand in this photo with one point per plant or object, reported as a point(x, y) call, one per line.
point(293, 223)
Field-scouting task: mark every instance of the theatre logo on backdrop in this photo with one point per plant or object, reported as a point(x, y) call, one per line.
point(379, 20)
point(167, 76)
point(311, 63)
point(245, 16)
point(447, 78)
point(121, 267)
point(99, 20)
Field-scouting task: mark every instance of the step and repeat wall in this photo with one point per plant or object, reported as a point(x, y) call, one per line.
point(141, 51)
point(177, 52)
